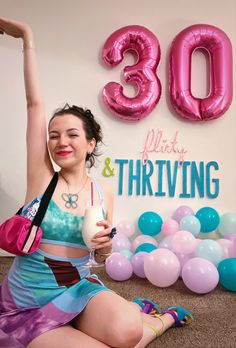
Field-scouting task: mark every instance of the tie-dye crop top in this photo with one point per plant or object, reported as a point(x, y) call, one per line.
point(59, 226)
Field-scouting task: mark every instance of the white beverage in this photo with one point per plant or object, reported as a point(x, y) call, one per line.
point(92, 215)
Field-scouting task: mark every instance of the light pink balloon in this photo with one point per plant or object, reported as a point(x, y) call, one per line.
point(200, 275)
point(169, 227)
point(162, 267)
point(231, 237)
point(125, 227)
point(233, 249)
point(226, 246)
point(138, 264)
point(183, 242)
point(144, 43)
point(219, 48)
point(141, 240)
point(120, 242)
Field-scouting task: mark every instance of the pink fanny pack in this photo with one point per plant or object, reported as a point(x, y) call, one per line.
point(19, 235)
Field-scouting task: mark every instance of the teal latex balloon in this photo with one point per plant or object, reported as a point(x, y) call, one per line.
point(127, 253)
point(209, 219)
point(227, 225)
point(191, 224)
point(150, 223)
point(227, 272)
point(210, 250)
point(147, 247)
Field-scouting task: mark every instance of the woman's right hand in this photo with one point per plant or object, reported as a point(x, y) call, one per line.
point(15, 28)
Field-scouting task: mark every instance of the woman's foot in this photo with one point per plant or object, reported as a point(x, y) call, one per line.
point(172, 317)
point(180, 315)
point(147, 306)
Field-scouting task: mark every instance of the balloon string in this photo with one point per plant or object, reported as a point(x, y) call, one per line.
point(91, 193)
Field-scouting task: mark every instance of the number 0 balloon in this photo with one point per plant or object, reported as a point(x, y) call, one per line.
point(142, 41)
point(219, 49)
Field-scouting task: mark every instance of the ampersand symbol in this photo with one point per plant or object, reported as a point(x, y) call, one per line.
point(107, 171)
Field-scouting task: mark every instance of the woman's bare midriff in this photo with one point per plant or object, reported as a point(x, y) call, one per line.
point(62, 250)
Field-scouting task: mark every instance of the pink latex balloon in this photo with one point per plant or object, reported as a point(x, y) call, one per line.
point(181, 212)
point(169, 227)
point(144, 43)
point(219, 49)
point(141, 240)
point(118, 267)
point(162, 267)
point(183, 258)
point(231, 237)
point(233, 249)
point(183, 242)
point(120, 242)
point(138, 264)
point(200, 275)
point(226, 246)
point(126, 227)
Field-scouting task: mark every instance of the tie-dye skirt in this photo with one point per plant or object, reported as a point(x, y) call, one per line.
point(42, 292)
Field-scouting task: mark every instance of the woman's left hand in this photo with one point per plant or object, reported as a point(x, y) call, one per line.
point(102, 238)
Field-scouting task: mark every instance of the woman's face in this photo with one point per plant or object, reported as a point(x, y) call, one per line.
point(67, 142)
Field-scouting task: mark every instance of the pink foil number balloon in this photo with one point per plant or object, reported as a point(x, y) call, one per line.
point(145, 44)
point(219, 49)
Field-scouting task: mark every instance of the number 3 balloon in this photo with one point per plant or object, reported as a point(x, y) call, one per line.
point(219, 48)
point(145, 44)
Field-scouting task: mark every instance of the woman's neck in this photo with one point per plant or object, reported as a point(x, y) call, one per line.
point(74, 178)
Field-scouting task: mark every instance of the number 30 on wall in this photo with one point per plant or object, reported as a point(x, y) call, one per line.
point(143, 73)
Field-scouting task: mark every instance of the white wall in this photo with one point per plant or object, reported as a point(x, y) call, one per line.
point(69, 37)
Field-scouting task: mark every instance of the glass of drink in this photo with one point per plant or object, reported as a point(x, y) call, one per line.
point(92, 215)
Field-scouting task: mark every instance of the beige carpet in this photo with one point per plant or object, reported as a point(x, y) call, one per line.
point(214, 313)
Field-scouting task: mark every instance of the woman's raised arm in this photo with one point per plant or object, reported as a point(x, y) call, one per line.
point(39, 167)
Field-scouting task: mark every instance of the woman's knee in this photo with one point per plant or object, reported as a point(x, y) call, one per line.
point(127, 330)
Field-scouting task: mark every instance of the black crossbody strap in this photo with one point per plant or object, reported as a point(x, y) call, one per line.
point(45, 200)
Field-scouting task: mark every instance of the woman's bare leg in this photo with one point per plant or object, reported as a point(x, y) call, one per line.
point(119, 323)
point(149, 321)
point(111, 319)
point(65, 337)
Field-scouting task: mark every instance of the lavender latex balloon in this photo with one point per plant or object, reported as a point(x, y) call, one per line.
point(200, 275)
point(118, 267)
point(138, 264)
point(181, 212)
point(120, 242)
point(166, 243)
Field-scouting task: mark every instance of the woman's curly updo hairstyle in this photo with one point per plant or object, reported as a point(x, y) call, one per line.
point(91, 127)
